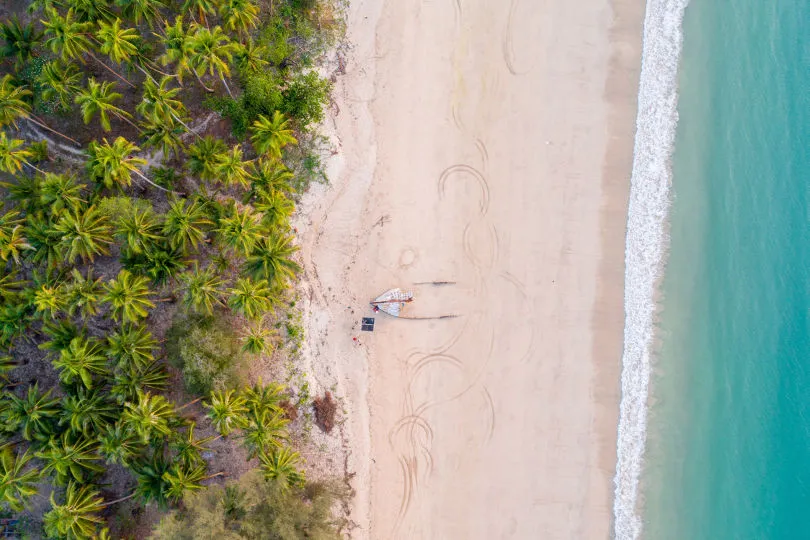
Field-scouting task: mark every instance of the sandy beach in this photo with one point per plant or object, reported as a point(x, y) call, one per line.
point(483, 161)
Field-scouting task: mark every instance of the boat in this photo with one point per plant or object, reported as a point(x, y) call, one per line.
point(392, 301)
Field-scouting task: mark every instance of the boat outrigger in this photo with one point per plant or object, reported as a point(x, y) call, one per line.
point(392, 301)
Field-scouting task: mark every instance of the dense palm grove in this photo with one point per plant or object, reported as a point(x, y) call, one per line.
point(145, 207)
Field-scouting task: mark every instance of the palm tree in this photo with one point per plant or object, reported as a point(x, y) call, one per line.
point(276, 209)
point(131, 379)
point(177, 43)
point(188, 449)
point(84, 234)
point(98, 98)
point(84, 293)
point(128, 296)
point(182, 478)
point(17, 485)
point(12, 156)
point(280, 466)
point(113, 164)
point(251, 298)
point(211, 51)
point(20, 41)
point(13, 106)
point(82, 359)
point(59, 334)
point(118, 444)
point(138, 10)
point(232, 169)
point(13, 242)
point(271, 260)
point(78, 517)
point(203, 8)
point(151, 483)
point(61, 191)
point(203, 289)
point(240, 230)
point(227, 411)
point(250, 57)
point(68, 37)
point(185, 224)
point(258, 339)
point(131, 346)
point(14, 321)
point(70, 458)
point(239, 15)
point(34, 414)
point(50, 300)
point(139, 229)
point(88, 412)
point(165, 136)
point(60, 80)
point(270, 136)
point(160, 102)
point(120, 44)
point(150, 415)
point(261, 397)
point(204, 157)
point(264, 431)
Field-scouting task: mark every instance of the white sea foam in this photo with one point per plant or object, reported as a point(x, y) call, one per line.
point(646, 246)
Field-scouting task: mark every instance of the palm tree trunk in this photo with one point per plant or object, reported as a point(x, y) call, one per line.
point(202, 83)
point(136, 171)
point(122, 499)
point(222, 473)
point(188, 404)
point(227, 87)
point(41, 124)
point(111, 70)
point(127, 120)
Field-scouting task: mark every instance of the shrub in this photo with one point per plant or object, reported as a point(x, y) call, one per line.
point(305, 97)
point(207, 352)
point(325, 411)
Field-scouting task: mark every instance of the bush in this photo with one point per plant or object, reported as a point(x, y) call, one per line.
point(305, 97)
point(325, 411)
point(253, 507)
point(208, 353)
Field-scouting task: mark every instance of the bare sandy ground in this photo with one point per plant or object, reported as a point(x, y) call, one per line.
point(488, 144)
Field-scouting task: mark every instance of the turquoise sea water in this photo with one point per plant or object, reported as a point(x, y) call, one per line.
point(728, 429)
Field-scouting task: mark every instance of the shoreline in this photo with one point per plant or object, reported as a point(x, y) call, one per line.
point(365, 232)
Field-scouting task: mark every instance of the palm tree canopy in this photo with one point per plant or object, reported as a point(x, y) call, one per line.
point(271, 260)
point(13, 104)
point(78, 517)
point(270, 136)
point(128, 296)
point(98, 98)
point(16, 483)
point(84, 234)
point(203, 289)
point(120, 44)
point(112, 165)
point(227, 411)
point(66, 36)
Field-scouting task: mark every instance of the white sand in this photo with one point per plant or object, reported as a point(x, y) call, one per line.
point(486, 143)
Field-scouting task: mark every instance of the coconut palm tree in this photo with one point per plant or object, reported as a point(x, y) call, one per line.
point(118, 444)
point(189, 449)
point(271, 135)
point(177, 43)
point(264, 432)
point(82, 359)
point(88, 412)
point(251, 298)
point(227, 411)
point(271, 260)
point(276, 209)
point(181, 478)
point(149, 416)
point(13, 242)
point(232, 169)
point(264, 397)
point(70, 458)
point(14, 321)
point(59, 334)
point(84, 234)
point(17, 484)
point(204, 157)
point(128, 296)
point(151, 483)
point(141, 10)
point(250, 57)
point(69, 38)
point(84, 293)
point(139, 229)
point(164, 136)
point(240, 230)
point(279, 465)
point(258, 340)
point(211, 52)
point(61, 191)
point(50, 300)
point(131, 346)
point(10, 284)
point(20, 40)
point(239, 15)
point(202, 289)
point(128, 381)
point(160, 102)
point(78, 517)
point(120, 44)
point(12, 155)
point(202, 7)
point(14, 106)
point(98, 98)
point(112, 165)
point(61, 81)
point(34, 414)
point(186, 223)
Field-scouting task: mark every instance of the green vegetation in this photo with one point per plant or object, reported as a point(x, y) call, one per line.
point(145, 251)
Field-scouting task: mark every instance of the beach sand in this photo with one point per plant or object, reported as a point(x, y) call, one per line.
point(487, 144)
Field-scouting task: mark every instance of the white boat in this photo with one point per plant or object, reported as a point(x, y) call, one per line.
point(392, 301)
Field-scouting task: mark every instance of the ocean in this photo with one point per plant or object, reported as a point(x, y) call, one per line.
point(714, 433)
